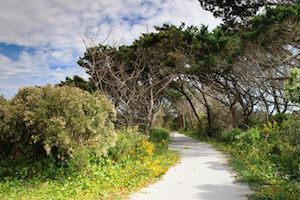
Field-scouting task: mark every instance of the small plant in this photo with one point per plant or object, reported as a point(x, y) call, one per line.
point(230, 136)
point(159, 135)
point(292, 87)
point(127, 141)
point(279, 118)
point(249, 137)
point(269, 129)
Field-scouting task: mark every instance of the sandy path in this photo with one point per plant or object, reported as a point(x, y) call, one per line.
point(202, 174)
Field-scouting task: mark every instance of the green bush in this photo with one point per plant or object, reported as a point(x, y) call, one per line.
point(230, 136)
point(56, 121)
point(290, 158)
point(292, 87)
point(249, 137)
point(267, 158)
point(126, 142)
point(4, 109)
point(280, 117)
point(159, 135)
point(258, 119)
point(103, 180)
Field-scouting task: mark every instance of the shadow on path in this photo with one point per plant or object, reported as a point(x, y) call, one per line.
point(201, 174)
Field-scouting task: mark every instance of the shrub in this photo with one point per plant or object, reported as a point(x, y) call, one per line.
point(125, 144)
point(290, 155)
point(258, 118)
point(280, 117)
point(268, 158)
point(131, 144)
point(56, 121)
point(144, 149)
point(292, 87)
point(4, 111)
point(230, 136)
point(250, 136)
point(159, 135)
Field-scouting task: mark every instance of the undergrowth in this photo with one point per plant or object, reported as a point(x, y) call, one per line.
point(130, 165)
point(265, 158)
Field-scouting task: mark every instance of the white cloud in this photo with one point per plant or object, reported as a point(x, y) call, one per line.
point(54, 28)
point(58, 24)
point(31, 69)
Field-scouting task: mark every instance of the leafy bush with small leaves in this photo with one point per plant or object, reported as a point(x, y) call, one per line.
point(159, 135)
point(249, 137)
point(280, 117)
point(125, 144)
point(56, 121)
point(3, 107)
point(292, 87)
point(267, 158)
point(290, 152)
point(132, 163)
point(230, 136)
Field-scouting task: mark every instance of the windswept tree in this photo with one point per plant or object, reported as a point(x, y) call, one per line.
point(242, 71)
point(233, 11)
point(135, 77)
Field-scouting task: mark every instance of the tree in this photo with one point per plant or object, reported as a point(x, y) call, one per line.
point(242, 70)
point(135, 77)
point(293, 86)
point(233, 11)
point(79, 82)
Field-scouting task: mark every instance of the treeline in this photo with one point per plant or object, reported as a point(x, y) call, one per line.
point(243, 74)
point(237, 85)
point(219, 80)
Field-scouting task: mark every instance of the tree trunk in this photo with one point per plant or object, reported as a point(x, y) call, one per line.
point(150, 113)
point(192, 105)
point(209, 117)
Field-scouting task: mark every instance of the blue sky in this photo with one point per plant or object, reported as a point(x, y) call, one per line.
point(41, 40)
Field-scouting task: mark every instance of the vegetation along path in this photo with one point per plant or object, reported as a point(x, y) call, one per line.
point(202, 174)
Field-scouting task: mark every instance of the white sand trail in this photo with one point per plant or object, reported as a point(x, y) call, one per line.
point(202, 174)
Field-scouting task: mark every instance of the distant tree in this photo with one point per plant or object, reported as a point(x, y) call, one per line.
point(79, 82)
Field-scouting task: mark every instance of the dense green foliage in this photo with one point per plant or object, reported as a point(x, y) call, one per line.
point(234, 12)
point(132, 163)
point(128, 140)
point(266, 158)
point(3, 111)
point(79, 82)
point(60, 143)
point(212, 74)
point(55, 124)
point(159, 135)
point(293, 86)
